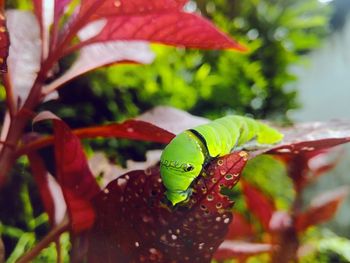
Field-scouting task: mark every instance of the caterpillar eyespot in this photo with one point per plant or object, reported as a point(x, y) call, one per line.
point(188, 168)
point(191, 149)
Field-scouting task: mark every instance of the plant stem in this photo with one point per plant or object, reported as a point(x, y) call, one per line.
point(59, 251)
point(52, 236)
point(10, 98)
point(7, 155)
point(19, 121)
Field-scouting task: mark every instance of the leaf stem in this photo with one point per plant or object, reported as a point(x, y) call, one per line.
point(10, 98)
point(19, 121)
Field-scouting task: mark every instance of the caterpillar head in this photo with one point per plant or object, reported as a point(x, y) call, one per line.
point(181, 162)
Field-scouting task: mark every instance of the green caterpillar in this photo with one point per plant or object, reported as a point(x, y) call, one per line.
point(185, 156)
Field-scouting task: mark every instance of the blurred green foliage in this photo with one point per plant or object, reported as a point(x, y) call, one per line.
point(270, 175)
point(325, 246)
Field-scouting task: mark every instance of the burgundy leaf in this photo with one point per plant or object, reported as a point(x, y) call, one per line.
point(308, 146)
point(130, 129)
point(239, 228)
point(4, 42)
point(41, 178)
point(229, 250)
point(50, 191)
point(324, 161)
point(308, 137)
point(171, 28)
point(101, 165)
point(258, 204)
point(322, 209)
point(135, 223)
point(222, 173)
point(78, 184)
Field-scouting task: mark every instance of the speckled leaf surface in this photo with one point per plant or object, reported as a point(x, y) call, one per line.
point(135, 223)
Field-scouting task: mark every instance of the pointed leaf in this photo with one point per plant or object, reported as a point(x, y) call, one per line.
point(77, 182)
point(25, 51)
point(305, 167)
point(171, 28)
point(102, 54)
point(322, 209)
point(48, 13)
point(233, 249)
point(308, 137)
point(136, 223)
point(73, 174)
point(258, 204)
point(130, 129)
point(50, 191)
point(325, 161)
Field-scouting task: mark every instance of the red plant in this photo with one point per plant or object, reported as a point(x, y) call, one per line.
point(100, 27)
point(130, 220)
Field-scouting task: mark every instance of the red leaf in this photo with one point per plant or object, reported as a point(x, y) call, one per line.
point(50, 191)
point(77, 182)
point(75, 178)
point(324, 161)
point(99, 9)
point(41, 178)
point(239, 228)
point(130, 129)
point(233, 249)
point(4, 42)
point(171, 28)
point(135, 222)
point(322, 209)
point(221, 173)
point(258, 204)
point(308, 137)
point(309, 146)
